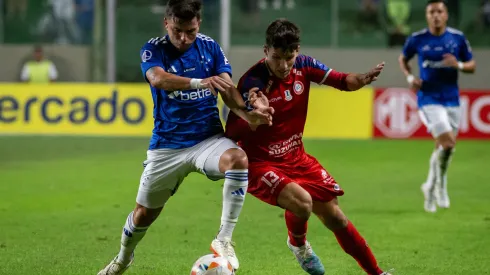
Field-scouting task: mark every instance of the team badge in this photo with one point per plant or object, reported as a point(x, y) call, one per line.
point(146, 55)
point(298, 87)
point(288, 95)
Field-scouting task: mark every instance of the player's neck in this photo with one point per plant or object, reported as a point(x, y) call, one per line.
point(437, 31)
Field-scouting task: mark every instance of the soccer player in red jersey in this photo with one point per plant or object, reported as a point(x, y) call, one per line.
point(281, 173)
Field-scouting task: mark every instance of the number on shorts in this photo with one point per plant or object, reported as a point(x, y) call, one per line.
point(270, 178)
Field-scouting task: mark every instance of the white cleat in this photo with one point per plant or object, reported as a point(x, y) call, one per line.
point(225, 248)
point(429, 198)
point(387, 272)
point(115, 267)
point(442, 198)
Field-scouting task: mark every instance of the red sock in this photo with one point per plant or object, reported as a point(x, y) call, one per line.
point(296, 227)
point(354, 244)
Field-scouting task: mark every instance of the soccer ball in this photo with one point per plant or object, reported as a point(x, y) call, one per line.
point(212, 265)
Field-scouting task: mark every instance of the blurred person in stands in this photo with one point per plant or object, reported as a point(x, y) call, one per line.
point(85, 19)
point(395, 18)
point(63, 12)
point(485, 14)
point(39, 70)
point(368, 15)
point(16, 7)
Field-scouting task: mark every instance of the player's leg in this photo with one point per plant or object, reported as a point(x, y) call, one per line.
point(299, 205)
point(271, 185)
point(436, 119)
point(223, 158)
point(164, 171)
point(446, 143)
point(347, 235)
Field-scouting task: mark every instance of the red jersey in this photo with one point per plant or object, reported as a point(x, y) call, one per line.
point(281, 142)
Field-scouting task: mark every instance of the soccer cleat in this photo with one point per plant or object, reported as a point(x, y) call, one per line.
point(429, 198)
point(307, 258)
point(442, 198)
point(225, 248)
point(115, 267)
point(387, 272)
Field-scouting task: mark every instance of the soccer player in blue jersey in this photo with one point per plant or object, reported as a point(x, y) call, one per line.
point(442, 52)
point(185, 69)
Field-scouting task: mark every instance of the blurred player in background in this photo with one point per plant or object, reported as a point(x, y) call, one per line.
point(184, 70)
point(281, 172)
point(442, 52)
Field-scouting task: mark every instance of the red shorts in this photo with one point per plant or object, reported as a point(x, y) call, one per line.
point(266, 179)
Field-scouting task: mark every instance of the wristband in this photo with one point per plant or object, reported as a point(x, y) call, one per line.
point(460, 65)
point(196, 83)
point(410, 78)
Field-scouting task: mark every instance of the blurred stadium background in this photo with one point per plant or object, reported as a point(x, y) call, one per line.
point(71, 150)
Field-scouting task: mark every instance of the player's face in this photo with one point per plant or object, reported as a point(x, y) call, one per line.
point(280, 62)
point(182, 34)
point(436, 15)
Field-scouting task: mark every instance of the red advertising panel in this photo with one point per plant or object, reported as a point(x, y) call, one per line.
point(395, 115)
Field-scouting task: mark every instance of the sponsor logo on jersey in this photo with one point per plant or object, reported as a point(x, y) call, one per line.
point(298, 87)
point(190, 95)
point(282, 148)
point(433, 64)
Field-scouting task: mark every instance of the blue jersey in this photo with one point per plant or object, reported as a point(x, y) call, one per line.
point(439, 83)
point(184, 118)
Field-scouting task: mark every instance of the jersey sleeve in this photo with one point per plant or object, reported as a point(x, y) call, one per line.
point(317, 71)
point(409, 48)
point(221, 63)
point(466, 53)
point(151, 56)
point(236, 127)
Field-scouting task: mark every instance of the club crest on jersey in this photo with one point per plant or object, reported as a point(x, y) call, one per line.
point(288, 96)
point(298, 87)
point(146, 55)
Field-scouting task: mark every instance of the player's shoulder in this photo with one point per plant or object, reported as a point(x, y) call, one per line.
point(420, 34)
point(156, 42)
point(455, 32)
point(205, 40)
point(257, 73)
point(304, 61)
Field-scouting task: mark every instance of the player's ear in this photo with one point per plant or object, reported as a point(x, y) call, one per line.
point(266, 50)
point(165, 23)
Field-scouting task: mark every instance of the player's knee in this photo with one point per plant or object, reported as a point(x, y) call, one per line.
point(237, 159)
point(145, 216)
point(447, 141)
point(303, 206)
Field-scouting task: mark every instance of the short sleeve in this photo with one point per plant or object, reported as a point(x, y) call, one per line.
point(317, 71)
point(151, 56)
point(409, 48)
point(221, 63)
point(466, 53)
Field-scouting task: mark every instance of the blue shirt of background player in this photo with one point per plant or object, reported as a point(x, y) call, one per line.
point(439, 83)
point(184, 118)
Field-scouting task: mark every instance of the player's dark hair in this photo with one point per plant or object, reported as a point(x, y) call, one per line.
point(283, 34)
point(436, 1)
point(183, 10)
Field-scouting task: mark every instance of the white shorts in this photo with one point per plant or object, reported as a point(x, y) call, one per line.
point(440, 119)
point(165, 169)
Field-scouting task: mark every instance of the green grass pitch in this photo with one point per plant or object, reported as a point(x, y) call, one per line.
point(63, 201)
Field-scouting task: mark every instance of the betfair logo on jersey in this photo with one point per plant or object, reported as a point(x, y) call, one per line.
point(433, 64)
point(190, 95)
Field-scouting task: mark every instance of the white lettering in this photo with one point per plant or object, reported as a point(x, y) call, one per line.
point(476, 114)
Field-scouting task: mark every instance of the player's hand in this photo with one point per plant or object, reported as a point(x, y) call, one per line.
point(373, 74)
point(416, 84)
point(259, 101)
point(216, 83)
point(450, 60)
point(257, 117)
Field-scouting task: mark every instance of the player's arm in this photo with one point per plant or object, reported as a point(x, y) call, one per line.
point(160, 79)
point(409, 50)
point(466, 64)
